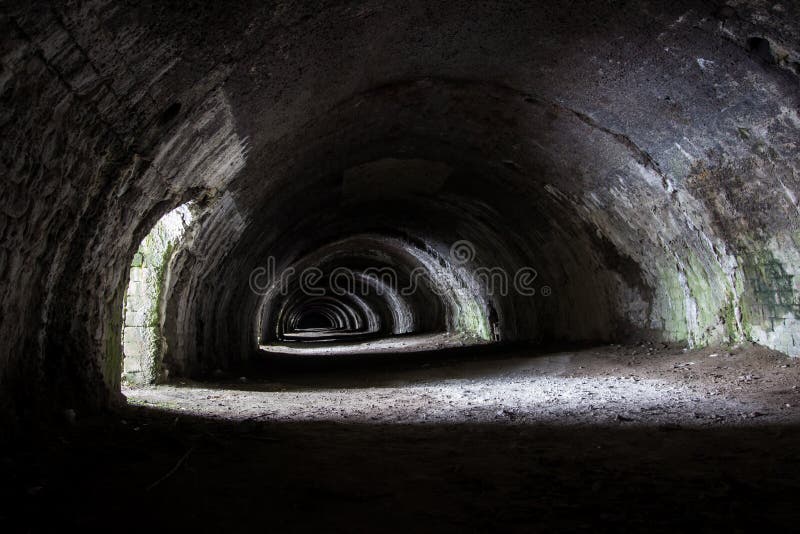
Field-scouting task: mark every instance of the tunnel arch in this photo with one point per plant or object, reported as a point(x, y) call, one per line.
point(392, 281)
point(142, 340)
point(554, 137)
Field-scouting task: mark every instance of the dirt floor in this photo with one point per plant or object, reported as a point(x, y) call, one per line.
point(469, 440)
point(641, 385)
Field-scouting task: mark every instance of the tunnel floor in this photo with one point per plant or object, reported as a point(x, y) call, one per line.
point(481, 440)
point(632, 385)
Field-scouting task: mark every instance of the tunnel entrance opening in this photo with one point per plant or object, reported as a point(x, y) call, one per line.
point(142, 339)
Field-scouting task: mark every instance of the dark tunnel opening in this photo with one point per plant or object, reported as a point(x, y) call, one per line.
point(316, 320)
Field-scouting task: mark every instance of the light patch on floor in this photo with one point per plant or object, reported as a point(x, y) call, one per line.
point(616, 385)
point(415, 343)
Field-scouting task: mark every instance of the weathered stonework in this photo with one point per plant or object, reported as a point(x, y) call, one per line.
point(142, 338)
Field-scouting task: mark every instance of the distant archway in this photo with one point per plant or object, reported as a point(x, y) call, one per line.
point(142, 344)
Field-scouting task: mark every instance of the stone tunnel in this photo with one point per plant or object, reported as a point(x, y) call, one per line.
point(381, 183)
